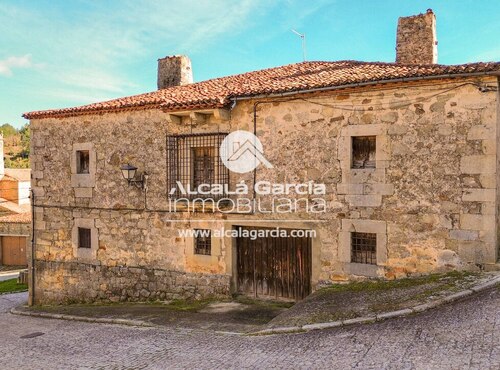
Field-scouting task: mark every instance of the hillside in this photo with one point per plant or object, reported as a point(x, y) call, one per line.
point(16, 146)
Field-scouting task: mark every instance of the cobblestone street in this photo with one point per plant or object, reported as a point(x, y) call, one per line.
point(463, 335)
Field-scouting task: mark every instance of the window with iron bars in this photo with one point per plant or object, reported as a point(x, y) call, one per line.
point(193, 160)
point(203, 242)
point(364, 248)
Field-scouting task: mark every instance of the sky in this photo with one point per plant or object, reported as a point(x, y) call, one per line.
point(64, 53)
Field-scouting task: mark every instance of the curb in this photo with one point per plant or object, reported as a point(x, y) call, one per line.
point(17, 291)
point(10, 272)
point(383, 316)
point(288, 329)
point(100, 320)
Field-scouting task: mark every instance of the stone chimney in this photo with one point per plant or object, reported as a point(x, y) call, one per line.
point(416, 41)
point(174, 71)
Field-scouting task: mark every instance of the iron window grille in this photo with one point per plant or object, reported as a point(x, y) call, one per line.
point(84, 240)
point(82, 161)
point(192, 160)
point(203, 242)
point(363, 151)
point(364, 248)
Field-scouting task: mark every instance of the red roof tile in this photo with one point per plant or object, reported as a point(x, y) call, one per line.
point(17, 174)
point(16, 218)
point(217, 93)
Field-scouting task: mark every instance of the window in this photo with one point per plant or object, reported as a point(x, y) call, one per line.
point(203, 166)
point(203, 242)
point(84, 240)
point(364, 248)
point(363, 151)
point(82, 162)
point(194, 159)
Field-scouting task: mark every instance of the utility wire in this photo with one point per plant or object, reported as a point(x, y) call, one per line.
point(370, 106)
point(340, 107)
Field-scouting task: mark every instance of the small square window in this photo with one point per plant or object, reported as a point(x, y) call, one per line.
point(364, 248)
point(84, 240)
point(203, 242)
point(82, 161)
point(363, 151)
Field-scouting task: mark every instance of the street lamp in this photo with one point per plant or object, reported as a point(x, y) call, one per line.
point(129, 173)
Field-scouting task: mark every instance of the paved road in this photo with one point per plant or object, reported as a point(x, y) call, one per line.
point(462, 335)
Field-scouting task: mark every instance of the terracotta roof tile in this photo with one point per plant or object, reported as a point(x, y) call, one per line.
point(217, 93)
point(17, 218)
point(17, 174)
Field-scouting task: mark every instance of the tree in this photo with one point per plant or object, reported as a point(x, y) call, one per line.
point(25, 141)
point(8, 130)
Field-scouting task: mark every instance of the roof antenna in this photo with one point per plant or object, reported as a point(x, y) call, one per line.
point(303, 37)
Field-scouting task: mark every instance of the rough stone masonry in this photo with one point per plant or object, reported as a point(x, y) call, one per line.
point(431, 197)
point(416, 41)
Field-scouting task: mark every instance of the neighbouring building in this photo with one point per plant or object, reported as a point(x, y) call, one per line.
point(407, 153)
point(15, 214)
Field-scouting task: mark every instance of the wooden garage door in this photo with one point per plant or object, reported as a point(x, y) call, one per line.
point(14, 250)
point(274, 267)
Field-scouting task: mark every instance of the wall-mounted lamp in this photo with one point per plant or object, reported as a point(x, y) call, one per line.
point(129, 174)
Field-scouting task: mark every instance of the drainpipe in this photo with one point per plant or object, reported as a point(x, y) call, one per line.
point(255, 133)
point(32, 300)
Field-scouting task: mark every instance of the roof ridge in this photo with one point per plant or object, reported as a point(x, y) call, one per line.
point(217, 92)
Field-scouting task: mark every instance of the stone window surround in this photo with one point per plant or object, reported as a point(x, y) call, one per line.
point(203, 259)
point(87, 254)
point(364, 187)
point(344, 249)
point(83, 182)
point(381, 150)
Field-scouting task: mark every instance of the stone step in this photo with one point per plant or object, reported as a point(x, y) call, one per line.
point(492, 267)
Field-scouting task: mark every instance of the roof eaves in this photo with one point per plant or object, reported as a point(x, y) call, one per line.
point(363, 84)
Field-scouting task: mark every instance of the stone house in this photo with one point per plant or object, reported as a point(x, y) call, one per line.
point(15, 214)
point(407, 154)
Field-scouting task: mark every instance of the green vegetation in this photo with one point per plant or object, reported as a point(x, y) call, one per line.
point(16, 146)
point(11, 286)
point(188, 304)
point(381, 285)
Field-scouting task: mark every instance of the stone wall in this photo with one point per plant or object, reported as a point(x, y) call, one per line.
point(431, 199)
point(15, 228)
point(416, 41)
point(71, 282)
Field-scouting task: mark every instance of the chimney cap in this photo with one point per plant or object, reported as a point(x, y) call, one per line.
point(174, 57)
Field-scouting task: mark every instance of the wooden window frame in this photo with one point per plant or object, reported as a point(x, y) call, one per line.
point(202, 243)
point(363, 152)
point(203, 165)
point(84, 238)
point(82, 162)
point(182, 164)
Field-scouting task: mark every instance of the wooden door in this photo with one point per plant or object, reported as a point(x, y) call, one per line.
point(14, 250)
point(274, 267)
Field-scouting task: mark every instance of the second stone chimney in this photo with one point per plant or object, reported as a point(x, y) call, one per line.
point(416, 41)
point(174, 71)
